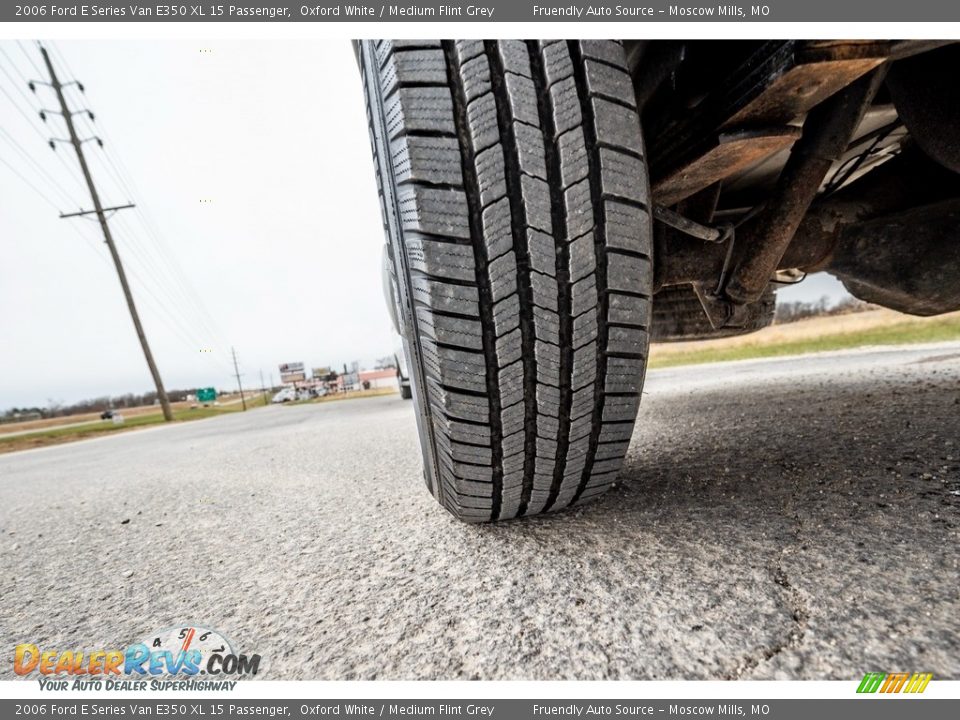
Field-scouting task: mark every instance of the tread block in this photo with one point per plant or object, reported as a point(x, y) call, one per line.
point(544, 290)
point(628, 309)
point(433, 160)
point(423, 67)
point(460, 431)
point(515, 460)
point(623, 175)
point(606, 467)
point(584, 366)
point(509, 348)
point(548, 403)
point(441, 259)
point(536, 203)
point(548, 358)
point(628, 227)
point(468, 49)
point(546, 325)
point(445, 297)
point(583, 295)
point(383, 48)
point(602, 79)
point(626, 272)
point(556, 62)
point(530, 150)
point(565, 102)
point(522, 98)
point(624, 375)
point(574, 165)
point(548, 426)
point(616, 125)
point(585, 329)
point(582, 257)
point(419, 109)
point(581, 406)
point(542, 252)
point(491, 176)
point(510, 383)
point(482, 121)
point(456, 331)
point(437, 211)
point(497, 232)
point(579, 209)
point(581, 425)
point(512, 420)
point(475, 74)
point(612, 450)
point(620, 408)
point(506, 315)
point(455, 368)
point(503, 276)
point(515, 57)
point(459, 405)
point(470, 476)
point(627, 340)
point(607, 51)
point(616, 431)
point(546, 448)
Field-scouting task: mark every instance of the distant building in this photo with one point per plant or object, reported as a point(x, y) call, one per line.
point(385, 378)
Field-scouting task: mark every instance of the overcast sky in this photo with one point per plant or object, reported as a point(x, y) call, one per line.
point(258, 225)
point(285, 256)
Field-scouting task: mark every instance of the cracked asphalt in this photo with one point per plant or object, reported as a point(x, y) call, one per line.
point(790, 518)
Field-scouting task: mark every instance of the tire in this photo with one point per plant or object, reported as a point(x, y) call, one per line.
point(678, 316)
point(405, 392)
point(515, 197)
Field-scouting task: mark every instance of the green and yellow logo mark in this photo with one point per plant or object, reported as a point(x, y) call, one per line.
point(894, 682)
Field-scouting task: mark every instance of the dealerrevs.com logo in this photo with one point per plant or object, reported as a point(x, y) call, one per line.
point(171, 659)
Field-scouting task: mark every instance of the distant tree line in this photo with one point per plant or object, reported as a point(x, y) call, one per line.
point(792, 311)
point(99, 404)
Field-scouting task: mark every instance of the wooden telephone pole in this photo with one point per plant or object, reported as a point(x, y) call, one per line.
point(101, 214)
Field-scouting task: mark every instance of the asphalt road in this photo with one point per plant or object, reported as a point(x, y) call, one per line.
point(796, 518)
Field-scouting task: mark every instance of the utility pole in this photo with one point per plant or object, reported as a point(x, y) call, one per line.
point(237, 371)
point(263, 388)
point(107, 236)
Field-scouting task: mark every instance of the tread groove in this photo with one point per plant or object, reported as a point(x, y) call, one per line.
point(518, 225)
point(559, 215)
point(472, 185)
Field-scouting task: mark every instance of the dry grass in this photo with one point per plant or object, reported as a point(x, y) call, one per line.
point(874, 327)
point(128, 413)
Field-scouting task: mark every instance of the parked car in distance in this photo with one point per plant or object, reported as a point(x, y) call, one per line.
point(285, 395)
point(106, 415)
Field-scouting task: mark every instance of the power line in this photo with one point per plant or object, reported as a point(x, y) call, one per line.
point(155, 256)
point(31, 121)
point(29, 57)
point(155, 303)
point(142, 252)
point(127, 184)
point(40, 169)
point(29, 184)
